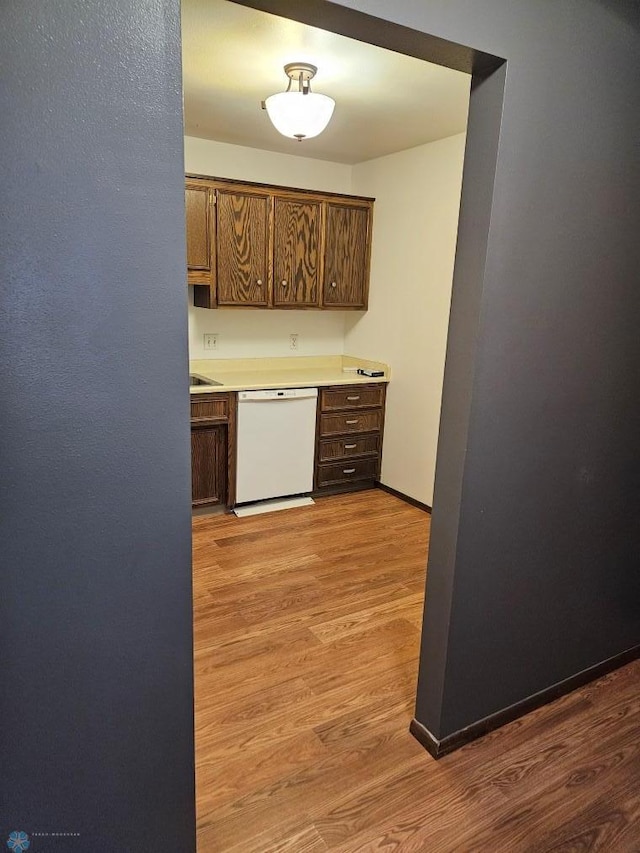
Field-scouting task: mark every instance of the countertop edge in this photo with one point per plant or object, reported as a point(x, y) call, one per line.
point(264, 386)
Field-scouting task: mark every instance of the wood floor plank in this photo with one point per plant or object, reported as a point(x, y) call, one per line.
point(307, 630)
point(307, 840)
point(605, 825)
point(224, 781)
point(406, 606)
point(228, 738)
point(320, 781)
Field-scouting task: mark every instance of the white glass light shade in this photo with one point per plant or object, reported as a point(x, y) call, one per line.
point(298, 115)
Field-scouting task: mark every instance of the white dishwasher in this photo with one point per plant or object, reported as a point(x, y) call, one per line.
point(276, 443)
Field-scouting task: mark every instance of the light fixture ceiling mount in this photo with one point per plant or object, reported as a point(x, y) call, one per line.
point(303, 72)
point(299, 114)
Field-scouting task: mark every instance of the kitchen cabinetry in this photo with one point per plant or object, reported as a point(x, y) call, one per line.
point(208, 465)
point(242, 248)
point(349, 435)
point(199, 200)
point(276, 247)
point(296, 253)
point(346, 261)
point(213, 420)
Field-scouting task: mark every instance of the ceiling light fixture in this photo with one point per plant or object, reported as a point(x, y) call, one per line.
point(299, 114)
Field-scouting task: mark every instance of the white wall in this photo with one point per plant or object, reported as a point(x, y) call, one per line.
point(246, 333)
point(417, 196)
point(254, 333)
point(205, 157)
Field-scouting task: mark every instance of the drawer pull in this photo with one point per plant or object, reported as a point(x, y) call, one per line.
point(350, 446)
point(352, 421)
point(348, 470)
point(357, 397)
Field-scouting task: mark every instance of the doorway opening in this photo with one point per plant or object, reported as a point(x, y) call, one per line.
point(289, 606)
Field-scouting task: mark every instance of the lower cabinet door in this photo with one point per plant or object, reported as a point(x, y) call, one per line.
point(209, 465)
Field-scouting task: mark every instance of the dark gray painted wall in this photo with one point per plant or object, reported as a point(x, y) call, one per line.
point(95, 609)
point(539, 556)
point(543, 572)
point(533, 570)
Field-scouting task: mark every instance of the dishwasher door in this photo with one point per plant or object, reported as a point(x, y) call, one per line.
point(276, 443)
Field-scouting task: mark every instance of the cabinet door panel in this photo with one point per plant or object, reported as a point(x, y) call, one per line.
point(346, 256)
point(197, 204)
point(296, 256)
point(242, 248)
point(209, 465)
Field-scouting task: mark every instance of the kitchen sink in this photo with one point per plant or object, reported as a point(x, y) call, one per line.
point(196, 379)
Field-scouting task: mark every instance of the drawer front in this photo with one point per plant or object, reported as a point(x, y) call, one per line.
point(346, 472)
point(351, 422)
point(353, 397)
point(343, 448)
point(209, 407)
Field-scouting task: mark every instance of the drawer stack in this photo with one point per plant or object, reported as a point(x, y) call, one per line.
point(349, 437)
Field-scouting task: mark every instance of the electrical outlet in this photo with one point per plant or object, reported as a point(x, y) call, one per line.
point(211, 340)
point(293, 341)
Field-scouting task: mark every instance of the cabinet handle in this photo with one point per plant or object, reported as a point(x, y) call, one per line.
point(259, 281)
point(348, 470)
point(350, 446)
point(284, 283)
point(357, 397)
point(333, 284)
point(354, 421)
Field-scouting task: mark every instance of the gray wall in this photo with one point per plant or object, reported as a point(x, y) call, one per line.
point(533, 571)
point(535, 540)
point(95, 610)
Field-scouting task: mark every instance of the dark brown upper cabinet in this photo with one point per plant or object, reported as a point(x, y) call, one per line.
point(296, 253)
point(242, 248)
point(253, 245)
point(346, 256)
point(199, 200)
point(197, 204)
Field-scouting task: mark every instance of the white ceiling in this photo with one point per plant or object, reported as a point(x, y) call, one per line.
point(233, 58)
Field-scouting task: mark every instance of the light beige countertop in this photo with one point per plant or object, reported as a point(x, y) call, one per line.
point(244, 374)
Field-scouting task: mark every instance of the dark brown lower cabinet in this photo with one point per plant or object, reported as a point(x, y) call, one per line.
point(213, 439)
point(349, 434)
point(209, 465)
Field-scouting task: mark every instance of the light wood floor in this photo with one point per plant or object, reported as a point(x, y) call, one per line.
point(307, 632)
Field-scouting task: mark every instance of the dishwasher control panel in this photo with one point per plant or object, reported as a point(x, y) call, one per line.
point(278, 394)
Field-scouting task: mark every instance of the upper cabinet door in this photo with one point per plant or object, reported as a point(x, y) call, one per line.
point(346, 262)
point(198, 205)
point(296, 254)
point(242, 247)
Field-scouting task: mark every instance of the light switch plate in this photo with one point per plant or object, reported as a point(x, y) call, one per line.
point(211, 340)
